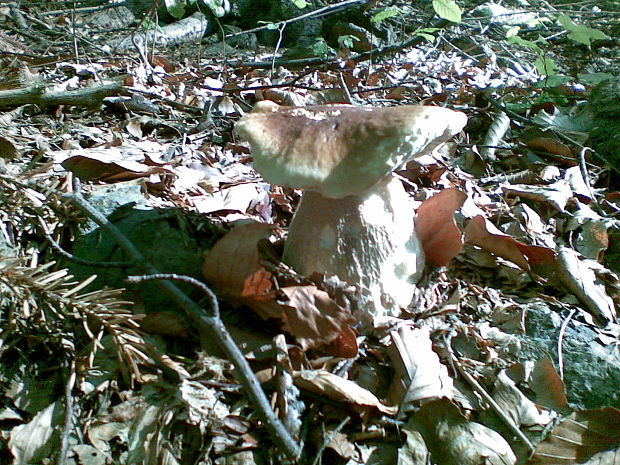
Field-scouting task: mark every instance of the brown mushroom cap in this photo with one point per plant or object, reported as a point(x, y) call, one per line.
point(341, 150)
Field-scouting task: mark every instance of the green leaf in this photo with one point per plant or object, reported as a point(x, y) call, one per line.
point(555, 80)
point(427, 33)
point(593, 79)
point(545, 66)
point(429, 37)
point(584, 35)
point(301, 4)
point(516, 40)
point(447, 9)
point(384, 14)
point(218, 7)
point(320, 47)
point(566, 22)
point(512, 31)
point(348, 40)
point(176, 8)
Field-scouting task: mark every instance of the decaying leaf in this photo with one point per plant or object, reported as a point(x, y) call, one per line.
point(453, 440)
point(556, 194)
point(306, 312)
point(233, 267)
point(481, 232)
point(419, 373)
point(36, 440)
point(340, 390)
point(578, 437)
point(113, 164)
point(521, 410)
point(580, 279)
point(312, 316)
point(548, 386)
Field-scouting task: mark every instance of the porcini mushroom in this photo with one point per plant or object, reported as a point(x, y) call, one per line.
point(355, 219)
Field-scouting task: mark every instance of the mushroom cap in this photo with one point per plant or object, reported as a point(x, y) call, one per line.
point(341, 150)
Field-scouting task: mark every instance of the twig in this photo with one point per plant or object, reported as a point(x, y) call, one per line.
point(37, 94)
point(213, 326)
point(80, 261)
point(560, 339)
point(323, 61)
point(215, 306)
point(68, 423)
point(584, 171)
point(489, 400)
point(326, 442)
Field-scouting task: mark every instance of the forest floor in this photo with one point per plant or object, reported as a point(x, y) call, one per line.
point(118, 158)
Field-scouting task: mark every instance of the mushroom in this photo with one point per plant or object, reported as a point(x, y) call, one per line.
point(355, 219)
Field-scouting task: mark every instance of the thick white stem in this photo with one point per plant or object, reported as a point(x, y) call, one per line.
point(367, 240)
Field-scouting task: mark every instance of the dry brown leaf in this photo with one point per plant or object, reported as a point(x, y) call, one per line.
point(553, 147)
point(339, 389)
point(308, 313)
point(548, 386)
point(234, 259)
point(313, 317)
point(453, 440)
point(233, 267)
point(580, 279)
point(557, 194)
point(578, 437)
point(441, 238)
point(419, 373)
point(8, 150)
point(481, 232)
point(164, 323)
point(521, 410)
point(89, 168)
point(344, 346)
point(341, 445)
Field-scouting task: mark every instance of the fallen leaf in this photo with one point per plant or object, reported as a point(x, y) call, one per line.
point(339, 389)
point(418, 372)
point(437, 230)
point(548, 386)
point(306, 312)
point(578, 437)
point(453, 440)
point(313, 317)
point(482, 233)
point(579, 278)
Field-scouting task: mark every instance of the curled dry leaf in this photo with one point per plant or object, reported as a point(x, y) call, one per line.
point(481, 232)
point(521, 410)
point(308, 313)
point(441, 238)
point(580, 279)
point(453, 440)
point(313, 317)
point(557, 194)
point(233, 267)
point(419, 373)
point(578, 437)
point(114, 164)
point(340, 390)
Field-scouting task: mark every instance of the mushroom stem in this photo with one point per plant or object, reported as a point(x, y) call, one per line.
point(366, 240)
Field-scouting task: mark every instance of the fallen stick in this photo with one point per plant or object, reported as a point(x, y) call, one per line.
point(39, 95)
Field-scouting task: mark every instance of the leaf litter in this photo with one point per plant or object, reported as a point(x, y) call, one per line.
point(450, 381)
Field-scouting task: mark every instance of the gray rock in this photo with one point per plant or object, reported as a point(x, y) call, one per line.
point(156, 233)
